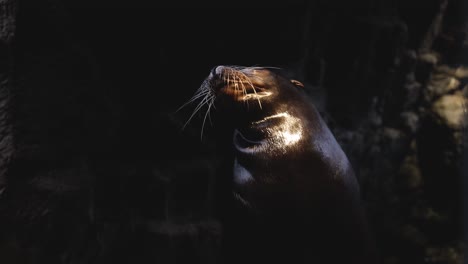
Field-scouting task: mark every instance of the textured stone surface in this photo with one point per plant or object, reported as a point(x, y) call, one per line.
point(451, 109)
point(7, 32)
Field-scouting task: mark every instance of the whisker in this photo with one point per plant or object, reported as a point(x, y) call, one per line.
point(197, 95)
point(228, 78)
point(253, 87)
point(266, 67)
point(240, 67)
point(199, 106)
point(237, 67)
point(244, 92)
point(238, 83)
point(205, 85)
point(204, 119)
point(209, 113)
point(200, 92)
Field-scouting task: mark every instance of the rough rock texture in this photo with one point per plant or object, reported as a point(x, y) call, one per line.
point(410, 150)
point(7, 30)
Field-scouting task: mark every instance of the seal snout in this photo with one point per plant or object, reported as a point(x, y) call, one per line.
point(218, 70)
point(216, 78)
point(238, 83)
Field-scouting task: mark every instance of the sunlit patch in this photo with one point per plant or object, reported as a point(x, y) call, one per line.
point(238, 83)
point(290, 138)
point(256, 96)
point(280, 136)
point(288, 132)
point(241, 84)
point(297, 83)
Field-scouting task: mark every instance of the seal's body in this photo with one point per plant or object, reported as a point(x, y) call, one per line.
point(293, 196)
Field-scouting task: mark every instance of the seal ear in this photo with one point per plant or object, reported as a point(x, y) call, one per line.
point(297, 83)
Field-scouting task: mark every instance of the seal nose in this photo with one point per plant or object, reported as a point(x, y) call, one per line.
point(216, 77)
point(213, 70)
point(218, 70)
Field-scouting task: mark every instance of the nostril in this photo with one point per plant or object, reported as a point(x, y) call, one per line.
point(216, 78)
point(213, 70)
point(218, 70)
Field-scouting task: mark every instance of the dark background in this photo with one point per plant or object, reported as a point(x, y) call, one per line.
point(100, 170)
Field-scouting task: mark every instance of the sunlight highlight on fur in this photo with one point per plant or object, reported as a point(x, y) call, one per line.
point(232, 76)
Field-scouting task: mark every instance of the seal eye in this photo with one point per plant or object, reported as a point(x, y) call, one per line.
point(297, 83)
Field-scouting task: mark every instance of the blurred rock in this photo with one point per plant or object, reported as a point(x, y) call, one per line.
point(411, 173)
point(451, 109)
point(446, 255)
point(430, 58)
point(413, 90)
point(460, 72)
point(395, 141)
point(410, 121)
point(442, 83)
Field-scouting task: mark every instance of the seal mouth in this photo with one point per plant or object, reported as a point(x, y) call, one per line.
point(238, 84)
point(242, 89)
point(243, 93)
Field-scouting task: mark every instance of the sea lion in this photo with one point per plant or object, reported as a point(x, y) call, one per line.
point(292, 196)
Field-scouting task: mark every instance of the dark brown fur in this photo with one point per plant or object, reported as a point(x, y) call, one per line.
point(293, 199)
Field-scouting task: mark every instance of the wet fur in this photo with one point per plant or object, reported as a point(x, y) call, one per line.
point(304, 205)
